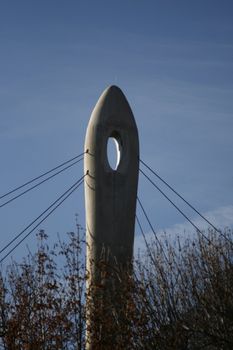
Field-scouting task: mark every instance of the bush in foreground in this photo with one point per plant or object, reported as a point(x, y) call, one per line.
point(180, 296)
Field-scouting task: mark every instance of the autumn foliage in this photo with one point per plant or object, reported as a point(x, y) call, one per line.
point(179, 296)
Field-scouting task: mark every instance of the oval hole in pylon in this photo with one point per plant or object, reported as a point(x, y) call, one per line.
point(113, 153)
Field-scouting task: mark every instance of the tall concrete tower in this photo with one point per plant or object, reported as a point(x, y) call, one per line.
point(110, 194)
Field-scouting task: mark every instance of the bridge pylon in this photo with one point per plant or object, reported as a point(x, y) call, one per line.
point(110, 197)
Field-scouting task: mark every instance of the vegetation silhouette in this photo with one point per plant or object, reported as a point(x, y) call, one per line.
point(181, 301)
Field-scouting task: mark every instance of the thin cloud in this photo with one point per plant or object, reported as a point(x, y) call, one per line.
point(221, 218)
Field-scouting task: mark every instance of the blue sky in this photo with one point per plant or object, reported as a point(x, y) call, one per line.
point(174, 62)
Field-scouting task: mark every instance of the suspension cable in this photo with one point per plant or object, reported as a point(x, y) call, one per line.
point(40, 176)
point(179, 210)
point(40, 183)
point(152, 228)
point(181, 197)
point(38, 217)
point(142, 232)
point(148, 249)
point(59, 200)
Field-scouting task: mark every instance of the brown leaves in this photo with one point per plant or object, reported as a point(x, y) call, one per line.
point(183, 303)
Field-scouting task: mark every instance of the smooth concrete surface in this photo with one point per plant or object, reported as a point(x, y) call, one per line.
point(110, 201)
point(110, 195)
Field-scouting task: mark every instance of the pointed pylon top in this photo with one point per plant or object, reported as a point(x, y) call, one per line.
point(113, 107)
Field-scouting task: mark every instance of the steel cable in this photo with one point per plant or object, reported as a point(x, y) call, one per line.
point(39, 183)
point(67, 193)
point(181, 197)
point(177, 208)
point(40, 176)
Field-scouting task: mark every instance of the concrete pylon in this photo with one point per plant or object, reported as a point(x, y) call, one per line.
point(110, 194)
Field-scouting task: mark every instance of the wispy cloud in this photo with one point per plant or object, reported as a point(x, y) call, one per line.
point(221, 218)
